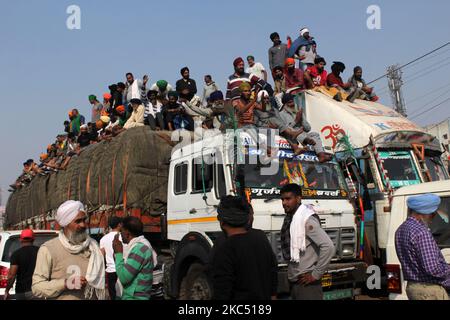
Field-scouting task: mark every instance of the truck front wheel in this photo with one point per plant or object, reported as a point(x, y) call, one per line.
point(196, 285)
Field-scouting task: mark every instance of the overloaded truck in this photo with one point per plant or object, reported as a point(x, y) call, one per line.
point(175, 191)
point(379, 151)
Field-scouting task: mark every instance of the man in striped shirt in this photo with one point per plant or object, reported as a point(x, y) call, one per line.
point(134, 267)
point(423, 264)
point(239, 76)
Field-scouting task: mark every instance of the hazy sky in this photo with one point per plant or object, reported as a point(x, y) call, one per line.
point(47, 69)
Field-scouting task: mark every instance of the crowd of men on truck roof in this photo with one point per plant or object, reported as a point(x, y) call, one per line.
point(250, 102)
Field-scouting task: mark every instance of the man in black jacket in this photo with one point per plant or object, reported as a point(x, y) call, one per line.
point(186, 87)
point(244, 266)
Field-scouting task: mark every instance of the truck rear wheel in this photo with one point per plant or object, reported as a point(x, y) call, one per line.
point(167, 280)
point(196, 285)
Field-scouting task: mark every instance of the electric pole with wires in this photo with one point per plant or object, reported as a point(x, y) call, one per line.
point(394, 75)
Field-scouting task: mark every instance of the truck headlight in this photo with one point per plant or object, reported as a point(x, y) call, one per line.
point(348, 250)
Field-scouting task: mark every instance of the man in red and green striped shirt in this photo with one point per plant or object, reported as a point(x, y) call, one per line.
point(134, 268)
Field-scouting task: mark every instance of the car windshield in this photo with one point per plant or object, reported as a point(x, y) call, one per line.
point(13, 243)
point(400, 168)
point(314, 177)
point(440, 226)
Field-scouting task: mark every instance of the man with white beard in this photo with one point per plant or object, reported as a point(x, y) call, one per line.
point(71, 266)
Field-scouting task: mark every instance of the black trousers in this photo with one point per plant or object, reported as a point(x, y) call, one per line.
point(155, 121)
point(111, 278)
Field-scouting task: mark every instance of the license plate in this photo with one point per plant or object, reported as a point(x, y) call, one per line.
point(326, 280)
point(338, 294)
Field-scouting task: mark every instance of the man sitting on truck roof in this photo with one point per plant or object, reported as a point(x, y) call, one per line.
point(245, 106)
point(337, 87)
point(359, 88)
point(175, 115)
point(423, 264)
point(137, 116)
point(316, 76)
point(153, 111)
point(244, 266)
point(295, 120)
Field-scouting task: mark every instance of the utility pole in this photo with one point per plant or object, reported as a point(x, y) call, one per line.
point(394, 75)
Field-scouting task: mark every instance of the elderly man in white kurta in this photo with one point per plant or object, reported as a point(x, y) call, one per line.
point(71, 266)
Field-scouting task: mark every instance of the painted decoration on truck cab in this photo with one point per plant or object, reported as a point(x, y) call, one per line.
point(332, 133)
point(318, 180)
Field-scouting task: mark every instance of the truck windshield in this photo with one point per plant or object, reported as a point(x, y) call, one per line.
point(400, 168)
point(440, 226)
point(436, 168)
point(317, 179)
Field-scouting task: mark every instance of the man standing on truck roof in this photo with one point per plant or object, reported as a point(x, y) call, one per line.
point(115, 223)
point(97, 108)
point(423, 264)
point(277, 53)
point(304, 244)
point(23, 262)
point(244, 266)
point(71, 266)
point(186, 87)
point(134, 265)
point(239, 76)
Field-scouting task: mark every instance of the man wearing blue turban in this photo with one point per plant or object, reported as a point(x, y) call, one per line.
point(423, 264)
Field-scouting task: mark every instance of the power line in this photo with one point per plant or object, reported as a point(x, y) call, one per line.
point(414, 100)
point(427, 59)
point(430, 102)
point(426, 73)
point(429, 109)
point(410, 79)
point(411, 62)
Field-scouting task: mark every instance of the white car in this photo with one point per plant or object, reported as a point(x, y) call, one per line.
point(440, 228)
point(9, 243)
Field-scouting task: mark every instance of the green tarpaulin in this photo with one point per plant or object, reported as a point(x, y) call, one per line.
point(132, 166)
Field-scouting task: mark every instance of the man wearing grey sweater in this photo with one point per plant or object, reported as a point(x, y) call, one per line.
point(305, 275)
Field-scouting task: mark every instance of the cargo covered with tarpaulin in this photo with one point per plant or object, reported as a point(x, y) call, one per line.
point(128, 171)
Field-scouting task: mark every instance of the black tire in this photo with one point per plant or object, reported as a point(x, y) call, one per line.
point(167, 280)
point(196, 285)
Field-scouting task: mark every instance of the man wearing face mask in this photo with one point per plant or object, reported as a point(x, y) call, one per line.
point(423, 264)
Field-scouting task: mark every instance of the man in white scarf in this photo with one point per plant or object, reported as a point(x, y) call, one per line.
point(72, 265)
point(304, 244)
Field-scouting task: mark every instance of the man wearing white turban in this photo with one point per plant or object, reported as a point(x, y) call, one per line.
point(71, 266)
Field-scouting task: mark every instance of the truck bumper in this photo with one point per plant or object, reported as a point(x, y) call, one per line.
point(344, 280)
point(341, 281)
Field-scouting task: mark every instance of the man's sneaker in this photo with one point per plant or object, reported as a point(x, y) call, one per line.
point(374, 99)
point(338, 97)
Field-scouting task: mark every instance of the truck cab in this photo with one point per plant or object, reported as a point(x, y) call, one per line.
point(379, 151)
point(440, 228)
point(202, 172)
